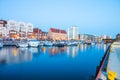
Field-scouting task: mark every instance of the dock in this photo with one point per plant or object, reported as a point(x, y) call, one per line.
point(110, 67)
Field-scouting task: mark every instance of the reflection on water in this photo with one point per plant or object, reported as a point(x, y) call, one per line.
point(57, 50)
point(17, 55)
point(104, 47)
point(74, 61)
point(14, 55)
point(83, 47)
point(33, 50)
point(72, 51)
point(44, 49)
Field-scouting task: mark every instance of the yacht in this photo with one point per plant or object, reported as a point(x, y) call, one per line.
point(22, 43)
point(41, 43)
point(72, 43)
point(59, 43)
point(33, 43)
point(48, 43)
point(9, 42)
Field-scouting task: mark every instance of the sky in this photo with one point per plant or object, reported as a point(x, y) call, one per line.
point(96, 17)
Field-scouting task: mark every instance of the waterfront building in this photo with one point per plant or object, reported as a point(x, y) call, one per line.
point(83, 37)
point(88, 37)
point(12, 29)
point(3, 26)
point(57, 34)
point(29, 30)
point(22, 30)
point(73, 33)
point(44, 35)
point(106, 37)
point(118, 37)
point(37, 33)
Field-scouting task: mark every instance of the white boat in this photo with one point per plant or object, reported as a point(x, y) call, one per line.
point(72, 43)
point(59, 43)
point(9, 42)
point(92, 43)
point(41, 43)
point(1, 43)
point(33, 43)
point(48, 43)
point(23, 43)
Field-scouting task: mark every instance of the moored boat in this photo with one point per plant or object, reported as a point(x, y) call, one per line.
point(48, 43)
point(22, 43)
point(9, 42)
point(72, 43)
point(59, 43)
point(33, 43)
point(41, 43)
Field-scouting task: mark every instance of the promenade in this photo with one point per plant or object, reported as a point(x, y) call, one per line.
point(112, 69)
point(114, 59)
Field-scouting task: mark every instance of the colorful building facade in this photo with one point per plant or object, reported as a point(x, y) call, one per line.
point(57, 34)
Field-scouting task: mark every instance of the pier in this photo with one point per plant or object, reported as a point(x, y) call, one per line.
point(110, 66)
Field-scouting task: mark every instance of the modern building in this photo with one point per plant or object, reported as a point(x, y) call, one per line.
point(12, 29)
point(19, 29)
point(57, 34)
point(73, 33)
point(22, 30)
point(29, 30)
point(3, 26)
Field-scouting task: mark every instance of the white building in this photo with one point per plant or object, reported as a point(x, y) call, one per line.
point(29, 30)
point(106, 37)
point(73, 33)
point(21, 29)
point(3, 25)
point(15, 29)
point(29, 27)
point(12, 28)
point(83, 36)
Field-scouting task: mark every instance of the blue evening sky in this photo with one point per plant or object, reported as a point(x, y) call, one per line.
point(95, 17)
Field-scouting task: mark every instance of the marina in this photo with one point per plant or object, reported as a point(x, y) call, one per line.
point(60, 40)
point(50, 62)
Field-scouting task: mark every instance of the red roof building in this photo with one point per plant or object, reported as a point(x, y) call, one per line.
point(3, 25)
point(37, 33)
point(57, 34)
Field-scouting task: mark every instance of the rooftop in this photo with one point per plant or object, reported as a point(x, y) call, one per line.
point(58, 30)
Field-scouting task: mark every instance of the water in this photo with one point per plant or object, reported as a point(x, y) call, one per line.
point(51, 63)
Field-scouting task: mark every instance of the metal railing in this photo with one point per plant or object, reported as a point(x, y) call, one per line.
point(103, 63)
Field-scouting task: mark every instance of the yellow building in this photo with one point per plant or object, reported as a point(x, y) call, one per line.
point(57, 34)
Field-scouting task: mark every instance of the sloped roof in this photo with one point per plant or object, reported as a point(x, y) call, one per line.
point(57, 30)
